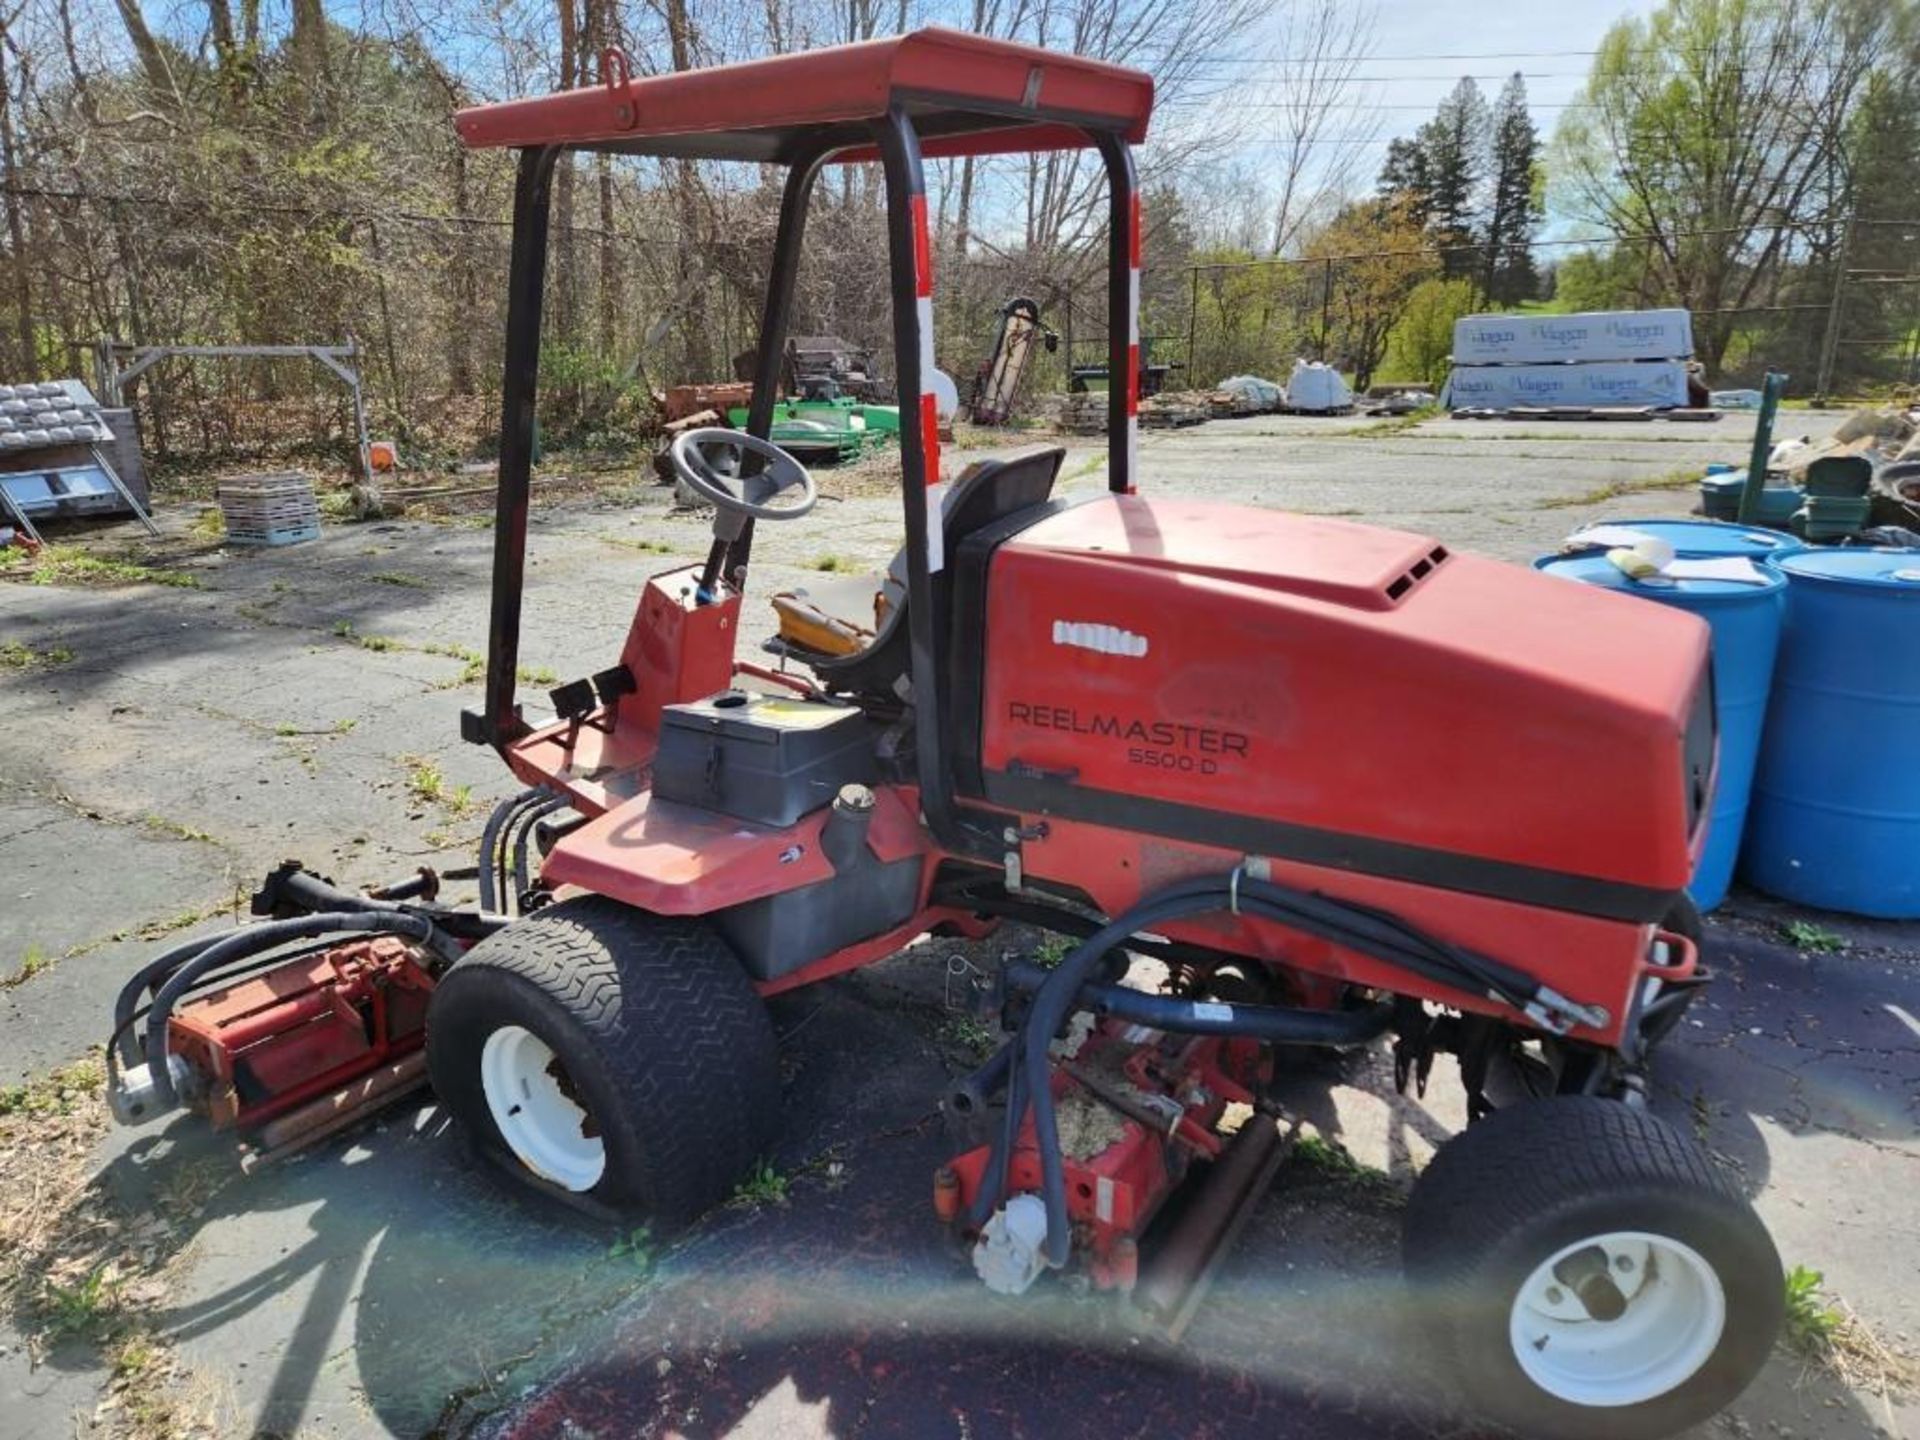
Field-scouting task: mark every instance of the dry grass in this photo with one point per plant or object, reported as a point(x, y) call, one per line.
point(1829, 1336)
point(1682, 479)
point(79, 1268)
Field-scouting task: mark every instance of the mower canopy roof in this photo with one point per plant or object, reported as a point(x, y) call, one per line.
point(966, 95)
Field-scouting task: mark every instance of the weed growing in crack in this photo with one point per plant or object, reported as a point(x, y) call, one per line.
point(15, 656)
point(1823, 1331)
point(1333, 1161)
point(31, 964)
point(764, 1185)
point(966, 1033)
point(56, 1092)
point(427, 784)
point(344, 629)
point(1051, 950)
point(635, 1248)
point(1814, 939)
point(71, 565)
point(85, 1308)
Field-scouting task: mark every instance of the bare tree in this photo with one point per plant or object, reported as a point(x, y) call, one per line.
point(1317, 140)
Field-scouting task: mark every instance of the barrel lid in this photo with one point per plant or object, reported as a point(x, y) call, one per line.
point(1689, 537)
point(1597, 569)
point(1888, 568)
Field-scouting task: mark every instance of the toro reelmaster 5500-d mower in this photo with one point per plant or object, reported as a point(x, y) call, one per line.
point(1334, 786)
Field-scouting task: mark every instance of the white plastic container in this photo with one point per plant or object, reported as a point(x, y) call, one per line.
point(1317, 387)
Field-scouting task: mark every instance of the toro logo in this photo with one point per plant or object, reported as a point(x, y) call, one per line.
point(1155, 744)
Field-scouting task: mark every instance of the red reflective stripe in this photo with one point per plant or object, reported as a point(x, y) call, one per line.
point(930, 438)
point(922, 250)
point(1133, 380)
point(1133, 238)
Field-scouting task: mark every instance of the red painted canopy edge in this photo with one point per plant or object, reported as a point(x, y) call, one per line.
point(967, 94)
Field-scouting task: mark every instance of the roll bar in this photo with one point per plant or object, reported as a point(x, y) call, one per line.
point(910, 274)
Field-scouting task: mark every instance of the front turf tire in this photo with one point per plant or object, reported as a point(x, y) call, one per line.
point(1502, 1235)
point(616, 1055)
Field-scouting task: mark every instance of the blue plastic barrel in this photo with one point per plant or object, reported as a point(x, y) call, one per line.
point(1836, 800)
point(1745, 619)
point(1704, 538)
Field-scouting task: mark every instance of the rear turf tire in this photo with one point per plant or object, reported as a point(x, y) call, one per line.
point(1562, 1182)
point(616, 1055)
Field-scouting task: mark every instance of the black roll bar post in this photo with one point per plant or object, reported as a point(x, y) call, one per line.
point(1123, 320)
point(501, 723)
point(729, 561)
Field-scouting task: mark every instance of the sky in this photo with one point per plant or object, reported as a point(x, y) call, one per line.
point(1421, 48)
point(1531, 36)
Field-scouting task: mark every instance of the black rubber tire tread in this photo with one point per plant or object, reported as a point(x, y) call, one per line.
point(657, 1024)
point(1533, 1177)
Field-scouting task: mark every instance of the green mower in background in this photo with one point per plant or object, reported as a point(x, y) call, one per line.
point(835, 430)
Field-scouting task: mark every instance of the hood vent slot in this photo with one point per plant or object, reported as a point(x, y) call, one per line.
point(1420, 570)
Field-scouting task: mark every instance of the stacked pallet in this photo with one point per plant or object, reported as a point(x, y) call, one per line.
point(1084, 413)
point(277, 509)
point(1175, 409)
point(1608, 360)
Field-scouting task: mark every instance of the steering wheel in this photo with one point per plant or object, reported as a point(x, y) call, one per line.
point(709, 461)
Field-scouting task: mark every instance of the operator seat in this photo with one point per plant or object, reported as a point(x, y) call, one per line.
point(987, 492)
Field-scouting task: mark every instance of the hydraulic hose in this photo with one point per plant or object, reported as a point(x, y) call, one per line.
point(529, 821)
point(970, 1093)
point(1369, 932)
point(304, 891)
point(492, 871)
point(128, 1000)
point(1271, 1024)
point(250, 940)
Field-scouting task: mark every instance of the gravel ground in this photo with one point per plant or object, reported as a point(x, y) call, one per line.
point(303, 702)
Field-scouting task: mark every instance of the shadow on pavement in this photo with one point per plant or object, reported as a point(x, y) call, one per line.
point(382, 1285)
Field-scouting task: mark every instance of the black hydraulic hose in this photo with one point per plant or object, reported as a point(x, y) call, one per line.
point(251, 940)
point(128, 1000)
point(522, 872)
point(1050, 1007)
point(492, 873)
point(1367, 931)
point(970, 1093)
point(309, 892)
point(1272, 1024)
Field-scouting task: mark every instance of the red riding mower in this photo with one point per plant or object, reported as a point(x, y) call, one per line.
point(1335, 786)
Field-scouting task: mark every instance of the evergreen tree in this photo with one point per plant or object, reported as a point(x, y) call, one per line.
point(1455, 145)
point(1513, 210)
point(1405, 177)
point(1885, 147)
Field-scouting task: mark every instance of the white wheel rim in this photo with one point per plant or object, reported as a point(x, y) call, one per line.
point(1676, 1312)
point(544, 1126)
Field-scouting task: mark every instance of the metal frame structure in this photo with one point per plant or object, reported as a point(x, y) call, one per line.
point(971, 122)
point(119, 363)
